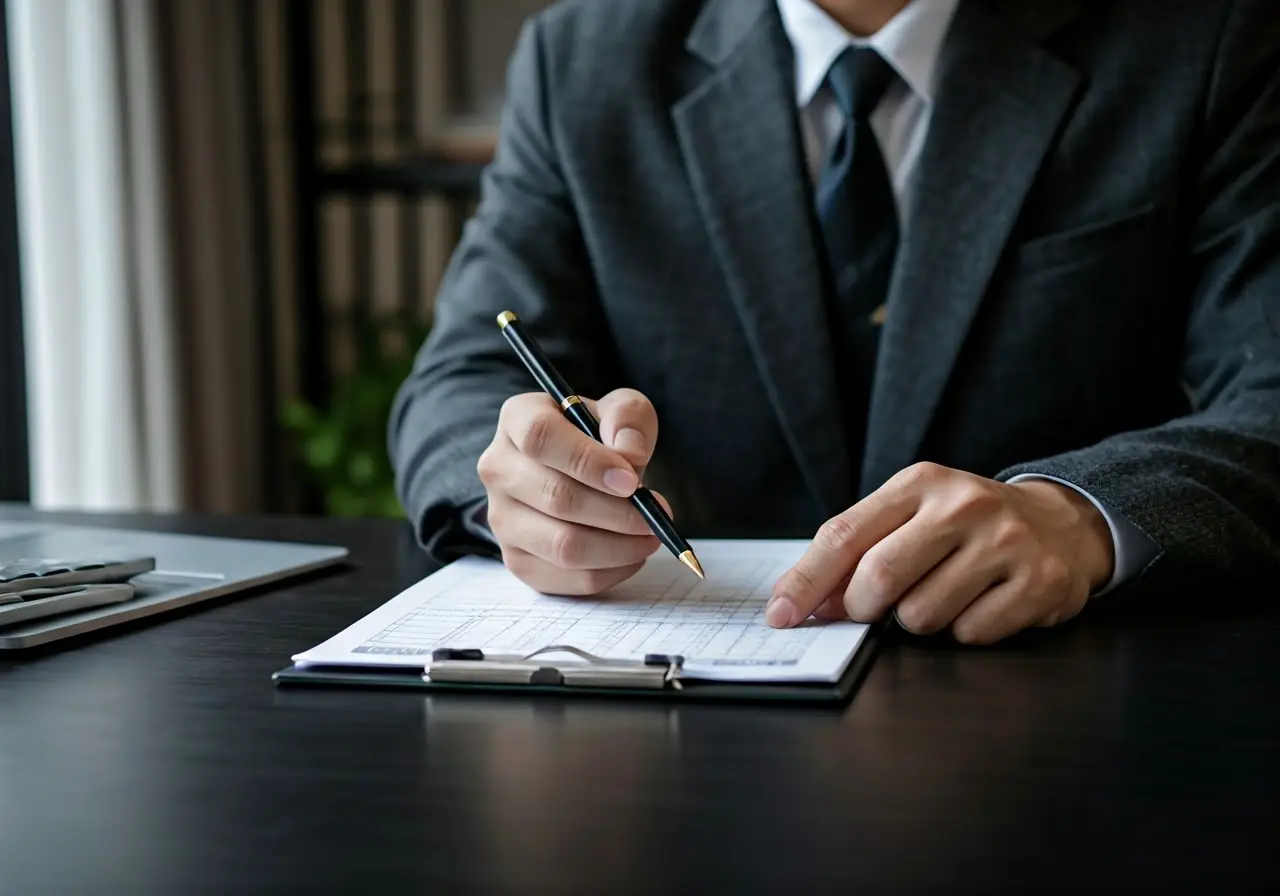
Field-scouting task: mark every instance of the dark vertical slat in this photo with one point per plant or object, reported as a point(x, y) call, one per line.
point(15, 473)
point(410, 263)
point(406, 87)
point(406, 93)
point(313, 327)
point(458, 88)
point(457, 76)
point(359, 109)
point(263, 252)
point(356, 60)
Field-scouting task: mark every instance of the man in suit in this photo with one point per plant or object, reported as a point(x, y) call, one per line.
point(981, 295)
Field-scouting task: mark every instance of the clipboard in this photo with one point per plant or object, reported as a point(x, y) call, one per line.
point(541, 674)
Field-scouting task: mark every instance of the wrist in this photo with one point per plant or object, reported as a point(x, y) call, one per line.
point(1090, 536)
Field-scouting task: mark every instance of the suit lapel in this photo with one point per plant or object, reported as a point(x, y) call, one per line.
point(999, 103)
point(741, 144)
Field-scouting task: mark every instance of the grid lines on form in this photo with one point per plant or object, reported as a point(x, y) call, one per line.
point(660, 610)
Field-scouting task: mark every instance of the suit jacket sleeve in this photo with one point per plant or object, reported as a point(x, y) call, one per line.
point(522, 250)
point(1206, 487)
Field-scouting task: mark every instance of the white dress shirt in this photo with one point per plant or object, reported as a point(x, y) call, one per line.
point(911, 43)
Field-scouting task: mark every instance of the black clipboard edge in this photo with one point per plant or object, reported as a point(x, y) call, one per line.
point(837, 694)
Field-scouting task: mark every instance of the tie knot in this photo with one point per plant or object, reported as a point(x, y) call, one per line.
point(859, 78)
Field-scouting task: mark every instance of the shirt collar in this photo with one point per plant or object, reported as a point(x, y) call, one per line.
point(910, 42)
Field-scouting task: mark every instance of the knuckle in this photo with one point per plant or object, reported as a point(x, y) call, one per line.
point(566, 546)
point(580, 458)
point(508, 408)
point(1009, 532)
point(966, 492)
point(629, 400)
point(514, 408)
point(488, 465)
point(975, 497)
point(559, 496)
point(922, 473)
point(837, 533)
point(629, 404)
point(484, 465)
point(533, 435)
point(879, 576)
point(967, 501)
point(1055, 574)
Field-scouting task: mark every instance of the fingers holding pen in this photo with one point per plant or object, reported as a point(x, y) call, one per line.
point(562, 497)
point(563, 545)
point(538, 431)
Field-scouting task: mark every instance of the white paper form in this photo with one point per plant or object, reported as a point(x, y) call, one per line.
point(717, 625)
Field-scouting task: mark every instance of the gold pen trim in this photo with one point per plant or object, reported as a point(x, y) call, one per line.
point(506, 317)
point(570, 402)
point(691, 561)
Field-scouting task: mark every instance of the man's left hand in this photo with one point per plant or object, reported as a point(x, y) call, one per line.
point(943, 548)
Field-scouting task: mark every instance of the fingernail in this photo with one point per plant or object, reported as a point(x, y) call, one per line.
point(622, 482)
point(780, 613)
point(629, 441)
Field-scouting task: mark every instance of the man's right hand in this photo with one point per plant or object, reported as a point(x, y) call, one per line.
point(558, 498)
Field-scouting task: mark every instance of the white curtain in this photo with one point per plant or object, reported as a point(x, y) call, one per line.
point(99, 315)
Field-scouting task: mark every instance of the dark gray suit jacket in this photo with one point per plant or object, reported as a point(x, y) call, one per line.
point(1088, 286)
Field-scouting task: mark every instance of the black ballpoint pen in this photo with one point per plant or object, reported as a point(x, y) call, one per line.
point(573, 407)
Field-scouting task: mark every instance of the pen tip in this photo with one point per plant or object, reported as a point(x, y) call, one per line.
point(691, 561)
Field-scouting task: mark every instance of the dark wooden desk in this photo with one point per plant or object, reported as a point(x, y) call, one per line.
point(1123, 750)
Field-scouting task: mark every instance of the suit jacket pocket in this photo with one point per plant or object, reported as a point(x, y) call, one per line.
point(1136, 230)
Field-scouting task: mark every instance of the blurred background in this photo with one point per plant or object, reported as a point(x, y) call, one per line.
point(222, 226)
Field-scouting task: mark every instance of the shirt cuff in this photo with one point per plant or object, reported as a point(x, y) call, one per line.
point(1133, 548)
point(475, 519)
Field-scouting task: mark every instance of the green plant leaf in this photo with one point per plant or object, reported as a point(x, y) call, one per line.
point(362, 468)
point(342, 446)
point(324, 449)
point(299, 416)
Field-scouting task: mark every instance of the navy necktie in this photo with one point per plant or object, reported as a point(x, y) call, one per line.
point(858, 216)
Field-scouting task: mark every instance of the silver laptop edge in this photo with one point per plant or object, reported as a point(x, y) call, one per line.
point(189, 569)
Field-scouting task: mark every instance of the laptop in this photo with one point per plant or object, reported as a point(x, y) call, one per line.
point(165, 572)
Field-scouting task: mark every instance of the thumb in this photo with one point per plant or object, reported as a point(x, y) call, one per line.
point(628, 425)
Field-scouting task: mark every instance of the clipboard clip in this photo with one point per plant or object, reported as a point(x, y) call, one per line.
point(657, 670)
